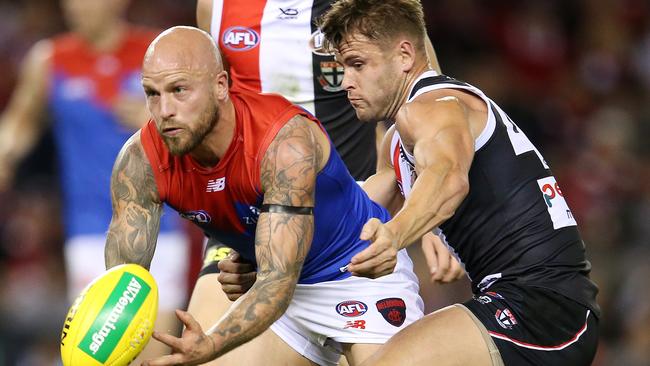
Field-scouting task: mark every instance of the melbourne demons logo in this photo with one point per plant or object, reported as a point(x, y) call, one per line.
point(351, 308)
point(240, 38)
point(393, 309)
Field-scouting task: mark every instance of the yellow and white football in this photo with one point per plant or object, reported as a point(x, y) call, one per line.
point(112, 319)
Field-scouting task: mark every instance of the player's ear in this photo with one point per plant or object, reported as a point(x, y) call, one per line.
point(221, 85)
point(406, 53)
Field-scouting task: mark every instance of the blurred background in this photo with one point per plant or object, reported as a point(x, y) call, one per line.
point(573, 74)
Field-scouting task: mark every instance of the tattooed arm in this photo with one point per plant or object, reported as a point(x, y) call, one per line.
point(282, 241)
point(135, 223)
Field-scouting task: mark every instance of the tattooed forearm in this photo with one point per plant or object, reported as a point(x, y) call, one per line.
point(135, 223)
point(282, 243)
point(282, 240)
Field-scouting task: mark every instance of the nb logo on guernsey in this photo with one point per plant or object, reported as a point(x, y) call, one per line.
point(216, 185)
point(240, 38)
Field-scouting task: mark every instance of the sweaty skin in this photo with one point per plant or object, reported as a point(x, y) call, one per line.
point(182, 55)
point(187, 95)
point(442, 265)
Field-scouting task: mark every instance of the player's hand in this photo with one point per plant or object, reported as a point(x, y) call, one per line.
point(193, 348)
point(236, 275)
point(131, 111)
point(443, 266)
point(380, 258)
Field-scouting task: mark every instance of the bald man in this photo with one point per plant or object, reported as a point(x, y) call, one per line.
point(255, 171)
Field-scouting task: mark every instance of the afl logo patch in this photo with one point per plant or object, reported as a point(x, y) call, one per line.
point(351, 308)
point(240, 38)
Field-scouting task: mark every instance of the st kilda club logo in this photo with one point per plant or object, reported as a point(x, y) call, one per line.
point(393, 309)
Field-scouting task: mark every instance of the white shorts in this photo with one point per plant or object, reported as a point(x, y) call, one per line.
point(321, 316)
point(84, 260)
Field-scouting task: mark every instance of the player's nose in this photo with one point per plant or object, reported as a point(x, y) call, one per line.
point(346, 83)
point(167, 106)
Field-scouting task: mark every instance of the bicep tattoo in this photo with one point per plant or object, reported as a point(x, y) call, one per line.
point(288, 176)
point(282, 239)
point(135, 223)
point(290, 165)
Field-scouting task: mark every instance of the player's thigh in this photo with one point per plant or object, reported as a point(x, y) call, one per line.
point(267, 349)
point(356, 353)
point(208, 304)
point(448, 336)
point(170, 266)
point(344, 361)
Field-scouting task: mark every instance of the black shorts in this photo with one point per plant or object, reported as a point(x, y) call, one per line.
point(535, 326)
point(214, 252)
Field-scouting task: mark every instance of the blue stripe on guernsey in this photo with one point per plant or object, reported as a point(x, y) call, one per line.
point(88, 139)
point(342, 208)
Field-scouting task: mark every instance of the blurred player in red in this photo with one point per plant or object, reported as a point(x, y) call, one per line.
point(87, 82)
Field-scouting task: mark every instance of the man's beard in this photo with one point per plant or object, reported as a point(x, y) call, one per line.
point(208, 120)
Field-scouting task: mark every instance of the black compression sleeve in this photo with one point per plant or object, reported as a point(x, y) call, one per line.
point(296, 210)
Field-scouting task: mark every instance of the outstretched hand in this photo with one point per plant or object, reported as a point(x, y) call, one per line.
point(193, 348)
point(380, 258)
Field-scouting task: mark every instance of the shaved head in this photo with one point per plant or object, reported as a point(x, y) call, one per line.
point(186, 87)
point(183, 47)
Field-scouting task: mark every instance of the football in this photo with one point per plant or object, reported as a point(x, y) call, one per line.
point(112, 319)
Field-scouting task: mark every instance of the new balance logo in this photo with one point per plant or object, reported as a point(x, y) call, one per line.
point(357, 324)
point(216, 185)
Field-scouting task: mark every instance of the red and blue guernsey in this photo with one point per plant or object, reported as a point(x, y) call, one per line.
point(225, 200)
point(84, 84)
